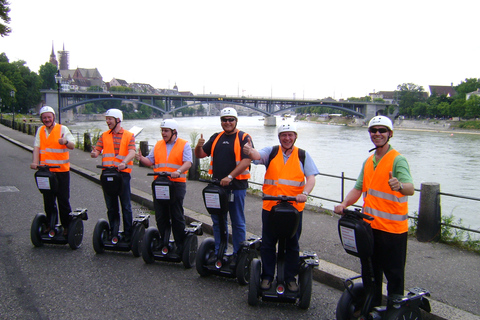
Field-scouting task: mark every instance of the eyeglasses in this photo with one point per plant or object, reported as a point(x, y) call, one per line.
point(228, 119)
point(374, 130)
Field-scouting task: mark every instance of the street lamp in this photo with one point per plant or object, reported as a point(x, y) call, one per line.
point(12, 94)
point(58, 79)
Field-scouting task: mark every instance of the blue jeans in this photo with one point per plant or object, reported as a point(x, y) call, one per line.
point(269, 253)
point(113, 210)
point(237, 216)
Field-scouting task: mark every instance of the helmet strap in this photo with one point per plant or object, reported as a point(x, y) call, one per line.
point(380, 146)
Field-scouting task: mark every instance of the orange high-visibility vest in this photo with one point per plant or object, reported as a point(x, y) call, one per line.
point(284, 179)
point(245, 175)
point(51, 152)
point(174, 161)
point(389, 208)
point(109, 158)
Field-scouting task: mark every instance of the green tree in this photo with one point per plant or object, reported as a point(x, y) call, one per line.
point(407, 94)
point(467, 86)
point(457, 108)
point(419, 109)
point(472, 107)
point(4, 11)
point(47, 73)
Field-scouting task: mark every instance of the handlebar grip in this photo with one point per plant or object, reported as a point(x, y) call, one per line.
point(358, 213)
point(279, 198)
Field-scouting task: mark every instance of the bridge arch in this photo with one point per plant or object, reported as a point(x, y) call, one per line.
point(76, 104)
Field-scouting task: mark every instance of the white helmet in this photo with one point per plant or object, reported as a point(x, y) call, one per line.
point(46, 109)
point(117, 114)
point(381, 121)
point(228, 112)
point(287, 127)
point(169, 124)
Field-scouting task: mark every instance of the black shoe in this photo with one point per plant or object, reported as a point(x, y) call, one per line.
point(266, 284)
point(212, 259)
point(292, 286)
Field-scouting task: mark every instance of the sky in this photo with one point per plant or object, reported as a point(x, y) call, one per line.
point(283, 49)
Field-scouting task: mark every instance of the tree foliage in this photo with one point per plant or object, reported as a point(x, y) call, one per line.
point(47, 73)
point(4, 11)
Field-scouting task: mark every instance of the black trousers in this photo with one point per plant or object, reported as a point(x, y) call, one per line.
point(389, 258)
point(60, 196)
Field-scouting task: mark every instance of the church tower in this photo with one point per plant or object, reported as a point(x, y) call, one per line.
point(63, 59)
point(53, 58)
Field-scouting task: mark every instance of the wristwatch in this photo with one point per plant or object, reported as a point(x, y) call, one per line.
point(305, 193)
point(401, 186)
point(230, 177)
point(180, 172)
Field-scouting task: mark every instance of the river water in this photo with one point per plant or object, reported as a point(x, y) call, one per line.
point(452, 160)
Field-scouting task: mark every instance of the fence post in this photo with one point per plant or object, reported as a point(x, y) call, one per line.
point(87, 142)
point(429, 213)
point(194, 171)
point(144, 150)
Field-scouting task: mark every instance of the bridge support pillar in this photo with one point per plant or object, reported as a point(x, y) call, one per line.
point(167, 116)
point(270, 121)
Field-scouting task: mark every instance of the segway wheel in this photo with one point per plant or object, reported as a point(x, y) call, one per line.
point(254, 283)
point(206, 248)
point(100, 235)
point(404, 313)
point(351, 301)
point(75, 233)
point(189, 251)
point(243, 267)
point(151, 241)
point(39, 224)
point(137, 239)
point(305, 281)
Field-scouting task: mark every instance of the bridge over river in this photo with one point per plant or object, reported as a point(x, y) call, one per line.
point(270, 107)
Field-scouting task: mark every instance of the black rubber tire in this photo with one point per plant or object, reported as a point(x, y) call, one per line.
point(254, 283)
point(39, 224)
point(350, 302)
point(204, 251)
point(404, 313)
point(75, 233)
point(100, 234)
point(243, 266)
point(137, 240)
point(151, 240)
point(189, 253)
point(305, 282)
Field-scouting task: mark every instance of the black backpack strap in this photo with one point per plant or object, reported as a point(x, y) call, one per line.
point(301, 156)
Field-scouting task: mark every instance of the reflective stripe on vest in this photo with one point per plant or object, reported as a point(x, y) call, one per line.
point(245, 175)
point(389, 208)
point(109, 158)
point(51, 152)
point(284, 178)
point(174, 161)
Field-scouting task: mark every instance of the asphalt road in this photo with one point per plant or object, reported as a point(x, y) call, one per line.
point(55, 282)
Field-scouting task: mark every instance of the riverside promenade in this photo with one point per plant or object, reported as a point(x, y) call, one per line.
point(450, 274)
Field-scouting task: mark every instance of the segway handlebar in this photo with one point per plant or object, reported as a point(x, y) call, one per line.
point(357, 213)
point(279, 198)
point(107, 167)
point(163, 173)
point(46, 167)
point(212, 181)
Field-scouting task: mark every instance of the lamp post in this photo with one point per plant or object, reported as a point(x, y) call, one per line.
point(12, 94)
point(58, 79)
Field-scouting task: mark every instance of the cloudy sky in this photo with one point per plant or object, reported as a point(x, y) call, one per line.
point(302, 49)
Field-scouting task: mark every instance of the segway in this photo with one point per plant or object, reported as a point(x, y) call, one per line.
point(156, 248)
point(43, 231)
point(284, 219)
point(216, 201)
point(356, 301)
point(106, 237)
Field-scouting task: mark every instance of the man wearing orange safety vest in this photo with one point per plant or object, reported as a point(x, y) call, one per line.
point(385, 183)
point(51, 147)
point(118, 147)
point(174, 155)
point(232, 167)
point(290, 171)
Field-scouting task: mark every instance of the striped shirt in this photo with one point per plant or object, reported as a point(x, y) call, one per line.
point(117, 138)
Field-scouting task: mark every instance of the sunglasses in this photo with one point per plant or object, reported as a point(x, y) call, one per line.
point(374, 130)
point(228, 119)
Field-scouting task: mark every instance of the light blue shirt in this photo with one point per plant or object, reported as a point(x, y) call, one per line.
point(309, 169)
point(187, 152)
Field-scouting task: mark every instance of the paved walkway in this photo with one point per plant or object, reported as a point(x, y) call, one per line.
point(451, 275)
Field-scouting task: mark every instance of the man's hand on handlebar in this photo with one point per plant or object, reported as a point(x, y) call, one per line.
point(33, 166)
point(339, 209)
